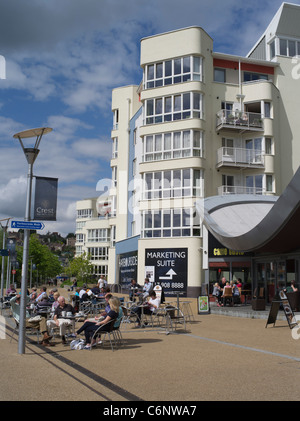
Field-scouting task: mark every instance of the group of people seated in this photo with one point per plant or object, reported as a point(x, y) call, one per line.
point(219, 291)
point(62, 315)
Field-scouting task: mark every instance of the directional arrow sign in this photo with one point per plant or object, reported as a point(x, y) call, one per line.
point(28, 225)
point(170, 274)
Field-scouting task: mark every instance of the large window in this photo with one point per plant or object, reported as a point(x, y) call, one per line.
point(173, 183)
point(98, 253)
point(84, 213)
point(170, 223)
point(99, 235)
point(174, 107)
point(169, 72)
point(173, 145)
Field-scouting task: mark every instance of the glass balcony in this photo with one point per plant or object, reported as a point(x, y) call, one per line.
point(239, 121)
point(240, 157)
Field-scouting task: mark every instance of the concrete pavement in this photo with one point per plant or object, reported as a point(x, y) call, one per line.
point(218, 357)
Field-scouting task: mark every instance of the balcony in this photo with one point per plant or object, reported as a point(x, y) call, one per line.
point(239, 121)
point(225, 190)
point(240, 157)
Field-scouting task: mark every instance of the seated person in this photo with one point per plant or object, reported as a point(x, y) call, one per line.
point(152, 304)
point(134, 287)
point(40, 325)
point(146, 288)
point(89, 327)
point(60, 317)
point(11, 290)
point(43, 291)
point(223, 296)
point(217, 293)
point(44, 305)
point(95, 290)
point(235, 293)
point(33, 295)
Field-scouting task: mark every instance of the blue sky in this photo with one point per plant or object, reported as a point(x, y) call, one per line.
point(64, 57)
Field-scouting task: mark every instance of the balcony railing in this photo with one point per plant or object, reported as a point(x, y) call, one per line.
point(240, 157)
point(224, 190)
point(239, 120)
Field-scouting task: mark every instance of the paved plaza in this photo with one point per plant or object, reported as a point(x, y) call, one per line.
point(218, 358)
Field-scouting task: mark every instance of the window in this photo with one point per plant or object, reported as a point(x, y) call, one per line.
point(171, 223)
point(98, 253)
point(227, 145)
point(172, 108)
point(254, 184)
point(169, 72)
point(268, 146)
point(219, 75)
point(272, 49)
point(100, 270)
point(115, 148)
point(248, 77)
point(173, 145)
point(173, 183)
point(267, 109)
point(84, 213)
point(114, 171)
point(269, 183)
point(115, 119)
point(80, 238)
point(99, 235)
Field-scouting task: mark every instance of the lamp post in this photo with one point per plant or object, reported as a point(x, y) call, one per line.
point(31, 155)
point(4, 229)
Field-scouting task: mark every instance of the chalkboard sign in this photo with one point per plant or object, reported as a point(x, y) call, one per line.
point(273, 312)
point(289, 314)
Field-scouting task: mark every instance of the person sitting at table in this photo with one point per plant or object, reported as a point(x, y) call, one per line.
point(43, 291)
point(236, 293)
point(95, 290)
point(227, 285)
point(38, 324)
point(217, 293)
point(104, 313)
point(43, 306)
point(11, 290)
point(151, 305)
point(60, 318)
point(89, 327)
point(55, 302)
point(134, 287)
point(146, 288)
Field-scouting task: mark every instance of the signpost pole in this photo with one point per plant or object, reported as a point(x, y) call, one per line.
point(23, 302)
point(31, 155)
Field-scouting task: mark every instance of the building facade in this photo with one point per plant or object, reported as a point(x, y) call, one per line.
point(200, 124)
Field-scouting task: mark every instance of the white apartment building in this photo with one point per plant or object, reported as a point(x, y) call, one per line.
point(200, 124)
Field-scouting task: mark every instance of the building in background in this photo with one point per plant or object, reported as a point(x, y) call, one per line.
point(200, 124)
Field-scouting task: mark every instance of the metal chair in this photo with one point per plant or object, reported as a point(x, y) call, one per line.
point(174, 317)
point(107, 331)
point(29, 329)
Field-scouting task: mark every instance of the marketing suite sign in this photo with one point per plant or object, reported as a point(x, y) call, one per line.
point(168, 267)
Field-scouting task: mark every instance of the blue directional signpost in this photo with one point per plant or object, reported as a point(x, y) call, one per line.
point(27, 225)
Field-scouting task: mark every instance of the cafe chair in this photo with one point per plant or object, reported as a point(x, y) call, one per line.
point(227, 296)
point(258, 300)
point(108, 332)
point(30, 330)
point(174, 317)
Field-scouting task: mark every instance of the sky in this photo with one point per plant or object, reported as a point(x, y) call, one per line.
point(63, 58)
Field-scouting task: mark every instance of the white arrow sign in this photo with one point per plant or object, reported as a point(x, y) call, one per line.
point(171, 273)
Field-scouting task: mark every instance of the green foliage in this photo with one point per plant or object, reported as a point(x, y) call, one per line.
point(80, 267)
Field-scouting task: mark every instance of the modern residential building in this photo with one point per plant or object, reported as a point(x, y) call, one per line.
point(200, 124)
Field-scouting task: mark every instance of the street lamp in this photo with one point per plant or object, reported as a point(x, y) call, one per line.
point(31, 155)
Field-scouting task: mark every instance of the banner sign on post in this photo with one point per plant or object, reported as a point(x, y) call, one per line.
point(45, 199)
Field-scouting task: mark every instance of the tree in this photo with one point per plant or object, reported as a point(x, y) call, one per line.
point(80, 267)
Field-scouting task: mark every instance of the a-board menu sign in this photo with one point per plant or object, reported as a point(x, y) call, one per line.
point(168, 268)
point(275, 306)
